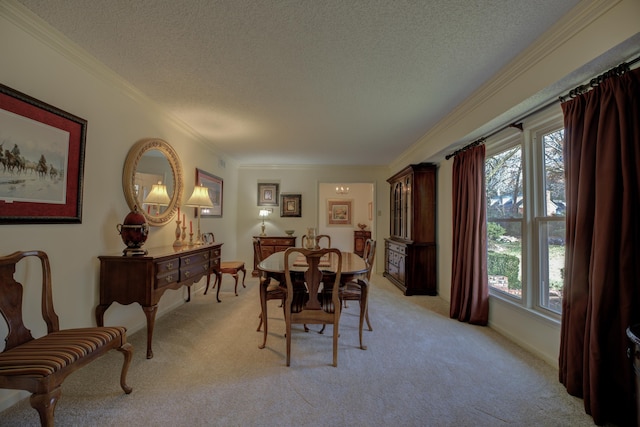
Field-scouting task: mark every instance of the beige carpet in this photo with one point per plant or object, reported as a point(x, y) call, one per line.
point(421, 369)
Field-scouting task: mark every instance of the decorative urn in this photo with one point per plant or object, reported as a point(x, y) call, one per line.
point(134, 231)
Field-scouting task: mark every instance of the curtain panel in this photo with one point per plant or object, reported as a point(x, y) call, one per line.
point(602, 261)
point(469, 282)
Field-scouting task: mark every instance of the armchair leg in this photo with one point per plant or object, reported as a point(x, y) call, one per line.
point(127, 351)
point(45, 404)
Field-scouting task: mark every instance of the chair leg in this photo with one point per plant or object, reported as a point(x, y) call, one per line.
point(235, 288)
point(259, 324)
point(244, 274)
point(45, 404)
point(335, 343)
point(127, 350)
point(288, 337)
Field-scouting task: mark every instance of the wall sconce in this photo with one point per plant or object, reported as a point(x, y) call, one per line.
point(199, 199)
point(158, 196)
point(341, 189)
point(263, 214)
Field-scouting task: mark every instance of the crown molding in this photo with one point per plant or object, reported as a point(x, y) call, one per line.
point(579, 18)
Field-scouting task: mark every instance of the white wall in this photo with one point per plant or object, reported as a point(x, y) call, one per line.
point(117, 118)
point(306, 180)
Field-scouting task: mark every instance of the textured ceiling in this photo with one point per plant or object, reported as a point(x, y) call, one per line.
point(305, 81)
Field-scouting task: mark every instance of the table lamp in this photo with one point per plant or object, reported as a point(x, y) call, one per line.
point(158, 196)
point(263, 214)
point(199, 199)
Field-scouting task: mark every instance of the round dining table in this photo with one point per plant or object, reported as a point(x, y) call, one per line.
point(353, 266)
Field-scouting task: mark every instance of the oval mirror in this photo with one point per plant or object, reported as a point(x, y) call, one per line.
point(151, 167)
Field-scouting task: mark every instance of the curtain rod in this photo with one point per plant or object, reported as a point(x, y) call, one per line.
point(615, 71)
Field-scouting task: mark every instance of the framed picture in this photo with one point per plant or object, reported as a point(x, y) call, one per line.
point(215, 186)
point(41, 161)
point(208, 238)
point(339, 212)
point(268, 194)
point(291, 205)
point(370, 211)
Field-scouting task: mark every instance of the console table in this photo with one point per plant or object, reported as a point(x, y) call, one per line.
point(145, 278)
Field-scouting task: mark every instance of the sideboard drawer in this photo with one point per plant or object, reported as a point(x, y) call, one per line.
point(193, 272)
point(167, 266)
point(194, 259)
point(285, 242)
point(166, 279)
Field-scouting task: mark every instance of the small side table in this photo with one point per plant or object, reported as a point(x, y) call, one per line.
point(359, 237)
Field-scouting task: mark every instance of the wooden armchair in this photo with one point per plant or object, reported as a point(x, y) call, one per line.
point(358, 289)
point(40, 365)
point(317, 302)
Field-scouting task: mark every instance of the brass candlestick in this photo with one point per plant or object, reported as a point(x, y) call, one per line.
point(178, 241)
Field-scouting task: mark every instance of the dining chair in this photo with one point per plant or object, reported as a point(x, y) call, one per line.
point(275, 290)
point(358, 289)
point(311, 299)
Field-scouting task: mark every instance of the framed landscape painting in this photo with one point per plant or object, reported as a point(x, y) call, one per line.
point(339, 212)
point(41, 161)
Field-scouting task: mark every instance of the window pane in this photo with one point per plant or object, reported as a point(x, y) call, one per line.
point(552, 236)
point(503, 173)
point(555, 203)
point(504, 257)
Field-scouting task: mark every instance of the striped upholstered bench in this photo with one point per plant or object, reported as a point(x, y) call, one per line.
point(40, 365)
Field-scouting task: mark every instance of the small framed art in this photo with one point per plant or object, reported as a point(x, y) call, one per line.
point(268, 194)
point(291, 205)
point(339, 212)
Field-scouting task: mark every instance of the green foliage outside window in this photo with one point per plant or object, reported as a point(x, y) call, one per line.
point(504, 265)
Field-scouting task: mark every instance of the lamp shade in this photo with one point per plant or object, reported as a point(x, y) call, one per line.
point(263, 213)
point(200, 197)
point(158, 195)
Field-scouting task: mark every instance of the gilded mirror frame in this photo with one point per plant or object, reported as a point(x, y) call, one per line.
point(128, 178)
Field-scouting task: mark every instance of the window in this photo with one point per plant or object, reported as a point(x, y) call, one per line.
point(524, 179)
point(550, 222)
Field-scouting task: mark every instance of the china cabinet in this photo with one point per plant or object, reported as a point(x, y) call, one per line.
point(410, 251)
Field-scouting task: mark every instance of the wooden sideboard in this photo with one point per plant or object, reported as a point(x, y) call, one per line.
point(359, 237)
point(144, 279)
point(272, 245)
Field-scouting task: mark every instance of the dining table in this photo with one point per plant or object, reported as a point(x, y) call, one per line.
point(353, 267)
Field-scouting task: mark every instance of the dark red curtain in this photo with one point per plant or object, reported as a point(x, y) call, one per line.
point(469, 282)
point(602, 259)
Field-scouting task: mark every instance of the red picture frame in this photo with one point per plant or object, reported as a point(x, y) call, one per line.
point(42, 161)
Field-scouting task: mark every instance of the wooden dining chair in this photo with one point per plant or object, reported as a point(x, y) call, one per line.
point(275, 290)
point(40, 365)
point(317, 300)
point(358, 289)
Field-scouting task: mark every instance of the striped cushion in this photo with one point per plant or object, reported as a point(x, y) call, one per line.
point(46, 355)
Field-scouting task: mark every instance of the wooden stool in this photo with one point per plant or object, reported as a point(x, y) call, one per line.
point(230, 267)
